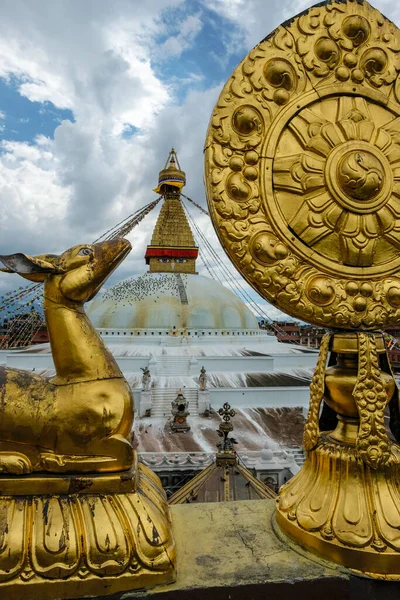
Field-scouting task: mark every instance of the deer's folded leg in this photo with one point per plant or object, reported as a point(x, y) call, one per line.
point(14, 463)
point(18, 458)
point(112, 454)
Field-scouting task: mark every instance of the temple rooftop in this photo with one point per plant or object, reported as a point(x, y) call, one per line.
point(226, 478)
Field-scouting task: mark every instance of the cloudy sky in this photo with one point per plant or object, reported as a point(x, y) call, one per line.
point(93, 94)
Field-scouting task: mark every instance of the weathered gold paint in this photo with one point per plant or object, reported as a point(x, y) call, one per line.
point(345, 502)
point(79, 420)
point(78, 515)
point(303, 188)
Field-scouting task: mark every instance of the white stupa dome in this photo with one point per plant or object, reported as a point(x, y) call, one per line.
point(168, 300)
point(267, 454)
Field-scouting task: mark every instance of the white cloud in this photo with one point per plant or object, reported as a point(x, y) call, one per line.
point(95, 60)
point(176, 44)
point(254, 19)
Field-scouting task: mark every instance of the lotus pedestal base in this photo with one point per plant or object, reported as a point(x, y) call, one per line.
point(100, 535)
point(343, 510)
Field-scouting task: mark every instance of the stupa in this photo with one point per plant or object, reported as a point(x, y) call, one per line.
point(338, 519)
point(172, 244)
point(174, 318)
point(171, 296)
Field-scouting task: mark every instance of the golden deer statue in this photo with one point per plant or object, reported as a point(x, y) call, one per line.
point(79, 420)
point(77, 510)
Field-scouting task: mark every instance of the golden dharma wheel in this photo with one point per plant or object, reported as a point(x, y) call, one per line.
point(303, 167)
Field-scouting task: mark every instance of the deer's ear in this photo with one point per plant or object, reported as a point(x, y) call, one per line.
point(33, 268)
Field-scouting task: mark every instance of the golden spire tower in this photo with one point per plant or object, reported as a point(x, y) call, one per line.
point(172, 248)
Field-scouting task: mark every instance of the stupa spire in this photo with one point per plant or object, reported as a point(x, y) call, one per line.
point(172, 248)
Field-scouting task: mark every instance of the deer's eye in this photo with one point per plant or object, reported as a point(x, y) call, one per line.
point(85, 252)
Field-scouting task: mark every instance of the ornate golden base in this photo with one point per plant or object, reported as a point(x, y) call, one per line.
point(342, 510)
point(80, 544)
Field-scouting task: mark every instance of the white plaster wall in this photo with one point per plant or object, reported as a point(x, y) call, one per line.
point(235, 364)
point(196, 336)
point(272, 397)
point(133, 364)
point(27, 361)
point(283, 362)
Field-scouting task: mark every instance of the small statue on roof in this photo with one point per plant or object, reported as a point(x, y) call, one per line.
point(146, 379)
point(180, 413)
point(203, 377)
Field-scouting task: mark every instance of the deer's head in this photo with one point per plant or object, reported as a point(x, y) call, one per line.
point(76, 275)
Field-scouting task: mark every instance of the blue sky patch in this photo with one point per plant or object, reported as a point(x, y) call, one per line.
point(129, 131)
point(208, 61)
point(23, 119)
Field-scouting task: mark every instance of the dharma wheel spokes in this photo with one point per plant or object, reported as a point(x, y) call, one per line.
point(304, 192)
